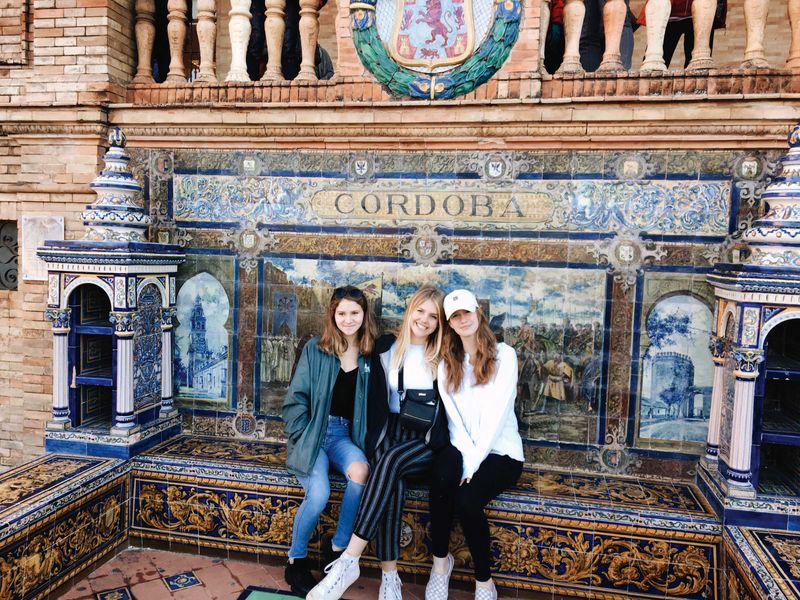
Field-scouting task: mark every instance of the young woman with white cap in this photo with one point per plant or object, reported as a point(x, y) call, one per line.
point(477, 379)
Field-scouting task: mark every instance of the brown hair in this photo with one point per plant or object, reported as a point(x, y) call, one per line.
point(332, 340)
point(484, 361)
point(433, 344)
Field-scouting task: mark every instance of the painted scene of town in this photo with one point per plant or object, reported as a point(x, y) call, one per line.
point(553, 318)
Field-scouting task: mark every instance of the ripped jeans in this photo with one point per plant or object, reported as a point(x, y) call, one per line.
point(337, 451)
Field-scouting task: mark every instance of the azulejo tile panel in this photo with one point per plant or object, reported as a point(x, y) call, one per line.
point(43, 477)
point(610, 537)
point(779, 555)
point(659, 207)
point(273, 232)
point(209, 449)
point(45, 554)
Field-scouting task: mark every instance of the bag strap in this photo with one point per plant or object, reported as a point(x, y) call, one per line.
point(400, 387)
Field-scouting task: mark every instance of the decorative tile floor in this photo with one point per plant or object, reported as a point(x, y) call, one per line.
point(145, 575)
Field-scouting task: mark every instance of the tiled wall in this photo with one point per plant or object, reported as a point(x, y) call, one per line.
point(590, 264)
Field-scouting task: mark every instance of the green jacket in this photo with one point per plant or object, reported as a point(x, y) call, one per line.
point(308, 404)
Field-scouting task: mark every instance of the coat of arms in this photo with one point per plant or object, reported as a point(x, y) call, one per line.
point(430, 49)
point(432, 33)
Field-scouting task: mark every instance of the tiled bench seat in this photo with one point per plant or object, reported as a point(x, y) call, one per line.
point(576, 535)
point(58, 514)
point(762, 563)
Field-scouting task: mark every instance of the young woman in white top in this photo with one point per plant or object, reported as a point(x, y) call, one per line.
point(396, 452)
point(477, 382)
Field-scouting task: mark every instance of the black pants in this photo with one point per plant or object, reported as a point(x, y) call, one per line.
point(676, 29)
point(496, 473)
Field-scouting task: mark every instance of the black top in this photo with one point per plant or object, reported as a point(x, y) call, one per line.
point(344, 394)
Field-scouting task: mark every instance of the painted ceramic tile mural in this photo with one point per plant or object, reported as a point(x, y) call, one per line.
point(676, 367)
point(672, 208)
point(147, 349)
point(552, 317)
point(202, 360)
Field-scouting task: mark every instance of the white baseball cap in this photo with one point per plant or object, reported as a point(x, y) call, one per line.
point(459, 300)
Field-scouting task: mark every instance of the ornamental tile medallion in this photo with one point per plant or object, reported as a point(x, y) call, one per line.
point(432, 49)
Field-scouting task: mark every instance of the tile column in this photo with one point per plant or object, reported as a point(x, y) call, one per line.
point(717, 346)
point(747, 361)
point(125, 422)
point(167, 408)
point(60, 317)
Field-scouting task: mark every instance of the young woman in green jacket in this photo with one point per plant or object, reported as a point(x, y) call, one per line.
point(325, 415)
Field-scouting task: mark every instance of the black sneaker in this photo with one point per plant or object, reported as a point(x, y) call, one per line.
point(298, 576)
point(328, 554)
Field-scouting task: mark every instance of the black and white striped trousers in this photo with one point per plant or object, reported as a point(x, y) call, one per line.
point(402, 454)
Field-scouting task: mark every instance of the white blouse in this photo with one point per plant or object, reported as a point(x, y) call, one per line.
point(416, 374)
point(481, 417)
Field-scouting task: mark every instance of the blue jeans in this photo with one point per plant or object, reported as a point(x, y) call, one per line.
point(339, 451)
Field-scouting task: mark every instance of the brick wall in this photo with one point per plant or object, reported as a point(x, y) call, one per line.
point(39, 175)
point(13, 36)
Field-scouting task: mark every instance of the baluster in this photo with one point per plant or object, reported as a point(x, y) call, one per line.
point(755, 21)
point(657, 15)
point(793, 10)
point(614, 14)
point(702, 20)
point(309, 32)
point(239, 28)
point(145, 35)
point(275, 28)
point(176, 32)
point(574, 12)
point(207, 38)
point(544, 24)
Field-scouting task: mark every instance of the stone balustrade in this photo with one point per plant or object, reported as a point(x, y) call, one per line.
point(241, 31)
point(657, 13)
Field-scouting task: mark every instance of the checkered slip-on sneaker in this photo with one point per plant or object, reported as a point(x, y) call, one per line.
point(439, 583)
point(486, 593)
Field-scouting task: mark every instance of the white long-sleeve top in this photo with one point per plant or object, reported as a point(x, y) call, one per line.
point(416, 374)
point(481, 417)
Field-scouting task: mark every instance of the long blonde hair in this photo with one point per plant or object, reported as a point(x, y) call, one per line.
point(332, 340)
point(484, 361)
point(433, 344)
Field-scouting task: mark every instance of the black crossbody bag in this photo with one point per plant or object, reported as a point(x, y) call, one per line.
point(417, 407)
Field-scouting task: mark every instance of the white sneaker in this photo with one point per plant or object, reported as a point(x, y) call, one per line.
point(390, 587)
point(341, 574)
point(486, 593)
point(439, 583)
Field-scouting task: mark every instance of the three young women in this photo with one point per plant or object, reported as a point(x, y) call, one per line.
point(397, 452)
point(325, 416)
point(477, 379)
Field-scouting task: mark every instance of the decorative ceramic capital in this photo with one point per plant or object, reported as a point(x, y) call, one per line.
point(747, 361)
point(719, 349)
point(59, 318)
point(167, 316)
point(123, 322)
